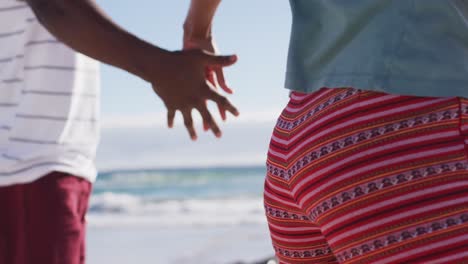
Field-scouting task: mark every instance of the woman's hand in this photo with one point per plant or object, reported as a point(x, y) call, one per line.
point(183, 86)
point(215, 75)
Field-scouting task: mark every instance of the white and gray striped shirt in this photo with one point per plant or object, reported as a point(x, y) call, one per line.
point(49, 101)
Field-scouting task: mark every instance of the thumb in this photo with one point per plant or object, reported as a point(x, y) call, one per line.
point(214, 60)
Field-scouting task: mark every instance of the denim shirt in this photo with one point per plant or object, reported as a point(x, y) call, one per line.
point(407, 47)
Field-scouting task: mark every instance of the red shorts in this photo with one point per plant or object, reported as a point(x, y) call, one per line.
point(43, 222)
point(357, 176)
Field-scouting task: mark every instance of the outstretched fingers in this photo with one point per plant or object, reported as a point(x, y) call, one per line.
point(222, 81)
point(188, 122)
point(208, 120)
point(210, 76)
point(170, 118)
point(223, 103)
point(222, 112)
point(214, 61)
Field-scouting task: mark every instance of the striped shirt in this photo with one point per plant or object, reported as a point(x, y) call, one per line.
point(49, 101)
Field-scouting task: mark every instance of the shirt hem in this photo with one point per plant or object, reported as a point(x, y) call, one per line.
point(27, 173)
point(412, 87)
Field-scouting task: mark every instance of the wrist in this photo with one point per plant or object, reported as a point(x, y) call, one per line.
point(147, 61)
point(196, 32)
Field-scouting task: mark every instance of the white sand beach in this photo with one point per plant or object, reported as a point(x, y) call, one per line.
point(178, 245)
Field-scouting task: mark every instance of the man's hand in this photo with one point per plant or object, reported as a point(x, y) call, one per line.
point(183, 86)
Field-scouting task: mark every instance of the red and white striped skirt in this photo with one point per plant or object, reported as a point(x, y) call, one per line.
point(358, 176)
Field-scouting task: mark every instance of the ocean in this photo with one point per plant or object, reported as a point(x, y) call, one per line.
point(178, 216)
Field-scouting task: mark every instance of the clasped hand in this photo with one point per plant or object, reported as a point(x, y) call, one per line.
point(184, 85)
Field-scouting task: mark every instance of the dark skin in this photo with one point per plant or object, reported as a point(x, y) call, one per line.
point(177, 77)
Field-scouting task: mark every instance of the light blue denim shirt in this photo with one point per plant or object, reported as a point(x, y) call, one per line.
point(408, 47)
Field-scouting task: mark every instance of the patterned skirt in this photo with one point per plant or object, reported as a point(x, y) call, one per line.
point(358, 176)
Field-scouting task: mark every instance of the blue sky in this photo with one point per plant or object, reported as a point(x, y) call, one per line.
point(133, 117)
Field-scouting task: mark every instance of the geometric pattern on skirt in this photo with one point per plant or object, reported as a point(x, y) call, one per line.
point(357, 176)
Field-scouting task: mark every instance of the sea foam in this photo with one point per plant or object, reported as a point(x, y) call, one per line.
point(114, 209)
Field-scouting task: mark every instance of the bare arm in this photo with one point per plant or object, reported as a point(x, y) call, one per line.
point(199, 19)
point(177, 77)
point(84, 27)
point(197, 35)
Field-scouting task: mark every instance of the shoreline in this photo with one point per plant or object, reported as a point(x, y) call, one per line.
point(183, 169)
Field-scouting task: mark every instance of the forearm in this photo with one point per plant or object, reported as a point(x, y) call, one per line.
point(199, 18)
point(84, 27)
